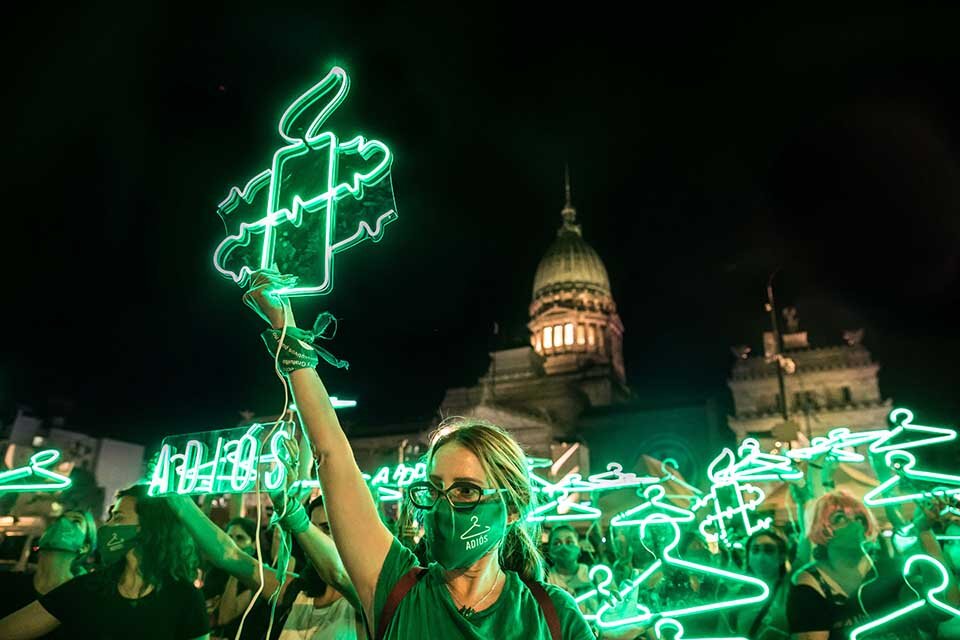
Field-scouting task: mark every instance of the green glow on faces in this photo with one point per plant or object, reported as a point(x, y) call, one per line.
point(35, 476)
point(606, 620)
point(653, 504)
point(903, 463)
point(838, 443)
point(293, 214)
point(930, 597)
point(903, 418)
point(678, 632)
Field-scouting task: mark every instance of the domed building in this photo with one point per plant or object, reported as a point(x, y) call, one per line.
point(564, 395)
point(575, 358)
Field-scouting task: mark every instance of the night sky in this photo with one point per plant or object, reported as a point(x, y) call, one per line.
point(706, 150)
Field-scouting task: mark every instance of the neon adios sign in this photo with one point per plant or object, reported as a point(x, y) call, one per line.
point(227, 461)
point(230, 461)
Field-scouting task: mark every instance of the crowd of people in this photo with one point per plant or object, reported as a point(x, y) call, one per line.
point(462, 559)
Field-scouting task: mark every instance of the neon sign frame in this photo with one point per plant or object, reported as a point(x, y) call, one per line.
point(337, 83)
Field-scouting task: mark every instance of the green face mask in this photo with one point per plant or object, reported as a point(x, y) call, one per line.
point(457, 539)
point(116, 540)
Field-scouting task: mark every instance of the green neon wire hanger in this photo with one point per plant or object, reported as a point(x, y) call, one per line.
point(654, 496)
point(903, 463)
point(930, 597)
point(12, 481)
point(903, 419)
point(759, 587)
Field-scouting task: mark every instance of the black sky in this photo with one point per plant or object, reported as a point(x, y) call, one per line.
point(706, 150)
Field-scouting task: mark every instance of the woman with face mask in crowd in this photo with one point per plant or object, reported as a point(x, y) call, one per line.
point(844, 588)
point(766, 558)
point(485, 579)
point(143, 588)
point(61, 554)
point(227, 597)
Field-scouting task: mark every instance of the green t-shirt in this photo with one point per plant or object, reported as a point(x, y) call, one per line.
point(428, 610)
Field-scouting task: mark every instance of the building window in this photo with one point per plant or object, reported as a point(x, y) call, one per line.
point(580, 337)
point(536, 342)
point(846, 395)
point(600, 339)
point(547, 338)
point(591, 336)
point(568, 333)
point(557, 336)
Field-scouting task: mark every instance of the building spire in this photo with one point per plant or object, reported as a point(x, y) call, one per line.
point(568, 212)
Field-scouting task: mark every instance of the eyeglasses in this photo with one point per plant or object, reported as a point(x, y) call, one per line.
point(463, 496)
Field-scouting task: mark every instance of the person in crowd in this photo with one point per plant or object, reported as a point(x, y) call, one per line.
point(317, 608)
point(566, 571)
point(766, 558)
point(143, 589)
point(62, 552)
point(231, 596)
point(573, 576)
point(485, 581)
point(844, 587)
point(319, 604)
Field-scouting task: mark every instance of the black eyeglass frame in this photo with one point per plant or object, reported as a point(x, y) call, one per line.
point(443, 493)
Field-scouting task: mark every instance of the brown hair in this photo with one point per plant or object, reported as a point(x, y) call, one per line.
point(505, 466)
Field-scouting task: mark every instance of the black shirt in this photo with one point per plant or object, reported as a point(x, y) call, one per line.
point(91, 607)
point(883, 585)
point(16, 592)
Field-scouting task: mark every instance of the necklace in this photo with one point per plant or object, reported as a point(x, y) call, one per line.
point(466, 611)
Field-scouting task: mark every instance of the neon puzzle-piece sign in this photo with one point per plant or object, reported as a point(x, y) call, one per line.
point(929, 598)
point(915, 485)
point(35, 475)
point(319, 197)
point(605, 619)
point(726, 495)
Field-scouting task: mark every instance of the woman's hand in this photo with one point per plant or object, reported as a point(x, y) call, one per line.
point(268, 305)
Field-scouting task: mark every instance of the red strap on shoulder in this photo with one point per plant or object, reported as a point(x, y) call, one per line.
point(546, 605)
point(399, 591)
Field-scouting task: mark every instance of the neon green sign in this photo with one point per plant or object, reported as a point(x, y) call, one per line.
point(227, 461)
point(910, 435)
point(752, 591)
point(907, 484)
point(320, 196)
point(35, 475)
point(838, 443)
point(678, 632)
point(752, 465)
point(733, 502)
point(230, 460)
point(653, 504)
point(931, 597)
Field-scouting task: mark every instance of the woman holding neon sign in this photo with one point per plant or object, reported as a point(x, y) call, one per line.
point(486, 581)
